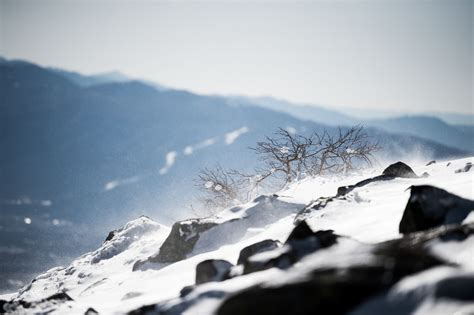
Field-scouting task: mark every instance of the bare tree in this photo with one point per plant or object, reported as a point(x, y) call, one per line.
point(317, 154)
point(286, 153)
point(220, 187)
point(347, 150)
point(285, 157)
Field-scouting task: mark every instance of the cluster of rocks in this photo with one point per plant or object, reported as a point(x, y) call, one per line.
point(431, 214)
point(340, 284)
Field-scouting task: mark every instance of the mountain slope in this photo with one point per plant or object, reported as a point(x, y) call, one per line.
point(104, 280)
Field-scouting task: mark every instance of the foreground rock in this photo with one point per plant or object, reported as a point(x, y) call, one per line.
point(301, 242)
point(212, 270)
point(180, 241)
point(40, 307)
point(256, 248)
point(338, 289)
point(430, 207)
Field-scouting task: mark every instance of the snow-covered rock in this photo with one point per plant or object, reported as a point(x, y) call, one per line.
point(346, 255)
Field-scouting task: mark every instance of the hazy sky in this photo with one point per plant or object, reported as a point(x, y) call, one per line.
point(398, 55)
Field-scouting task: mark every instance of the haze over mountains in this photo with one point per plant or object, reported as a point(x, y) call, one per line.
point(81, 154)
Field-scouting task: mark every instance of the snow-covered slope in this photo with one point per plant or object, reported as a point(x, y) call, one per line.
point(362, 220)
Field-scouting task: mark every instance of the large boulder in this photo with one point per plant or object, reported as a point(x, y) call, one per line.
point(399, 169)
point(181, 240)
point(212, 270)
point(301, 242)
point(334, 290)
point(256, 248)
point(430, 207)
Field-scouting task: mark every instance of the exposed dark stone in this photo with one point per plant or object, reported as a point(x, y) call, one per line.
point(2, 303)
point(13, 306)
point(301, 242)
point(180, 308)
point(431, 162)
point(344, 190)
point(430, 207)
point(110, 236)
point(465, 169)
point(60, 296)
point(456, 288)
point(334, 290)
point(186, 290)
point(449, 163)
point(425, 175)
point(399, 169)
point(212, 270)
point(145, 310)
point(91, 311)
point(300, 232)
point(318, 204)
point(181, 241)
point(253, 249)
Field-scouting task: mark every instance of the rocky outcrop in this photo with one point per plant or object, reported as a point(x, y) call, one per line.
point(212, 270)
point(430, 207)
point(301, 242)
point(395, 170)
point(256, 248)
point(181, 240)
point(18, 306)
point(399, 169)
point(337, 289)
point(465, 169)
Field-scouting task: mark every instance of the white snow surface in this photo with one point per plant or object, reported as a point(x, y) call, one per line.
point(103, 279)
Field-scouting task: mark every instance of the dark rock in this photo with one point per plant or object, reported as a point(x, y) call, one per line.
point(15, 306)
point(301, 242)
point(212, 270)
point(300, 232)
point(430, 207)
point(91, 311)
point(465, 169)
point(258, 247)
point(456, 288)
point(431, 162)
point(425, 175)
point(110, 236)
point(399, 169)
point(334, 290)
point(343, 190)
point(181, 241)
point(318, 204)
point(180, 308)
point(60, 296)
point(145, 310)
point(186, 290)
point(449, 163)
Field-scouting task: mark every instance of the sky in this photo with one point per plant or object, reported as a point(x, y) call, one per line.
point(412, 56)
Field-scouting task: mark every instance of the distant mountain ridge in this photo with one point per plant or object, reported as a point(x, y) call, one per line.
point(427, 127)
